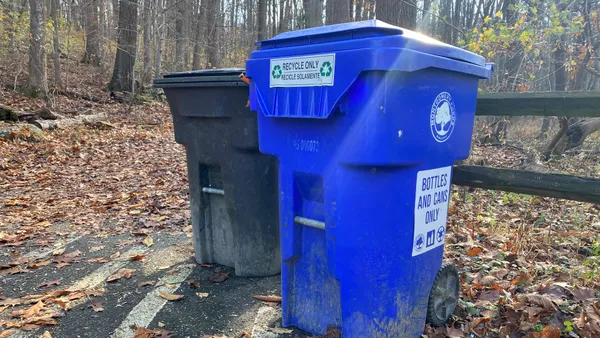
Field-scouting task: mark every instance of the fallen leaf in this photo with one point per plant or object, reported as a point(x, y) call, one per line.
point(487, 280)
point(540, 300)
point(273, 299)
point(219, 277)
point(332, 332)
point(58, 252)
point(49, 284)
point(122, 273)
point(246, 334)
point(96, 248)
point(170, 296)
point(202, 294)
point(141, 332)
point(13, 271)
point(206, 265)
point(7, 333)
point(582, 294)
point(474, 251)
point(115, 255)
point(46, 335)
point(137, 257)
point(65, 305)
point(161, 324)
point(279, 330)
point(146, 283)
point(148, 241)
point(62, 265)
point(549, 332)
point(98, 260)
point(38, 265)
point(32, 311)
point(97, 306)
point(43, 224)
point(14, 244)
point(194, 283)
point(170, 286)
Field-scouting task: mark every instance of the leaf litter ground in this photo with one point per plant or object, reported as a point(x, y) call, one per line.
point(530, 266)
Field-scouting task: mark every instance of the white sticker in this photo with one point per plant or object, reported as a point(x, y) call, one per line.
point(303, 71)
point(442, 117)
point(431, 209)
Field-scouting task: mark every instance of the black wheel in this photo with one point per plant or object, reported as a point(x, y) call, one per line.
point(444, 294)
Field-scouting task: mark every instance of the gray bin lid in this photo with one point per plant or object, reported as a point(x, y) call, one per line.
point(224, 77)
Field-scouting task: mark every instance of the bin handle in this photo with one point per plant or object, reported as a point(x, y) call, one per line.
point(214, 191)
point(309, 222)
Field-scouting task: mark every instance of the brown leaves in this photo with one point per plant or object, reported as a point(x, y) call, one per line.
point(98, 260)
point(219, 277)
point(474, 251)
point(7, 333)
point(141, 332)
point(589, 320)
point(271, 299)
point(137, 257)
point(540, 300)
point(13, 271)
point(548, 332)
point(38, 265)
point(170, 296)
point(148, 241)
point(30, 312)
point(65, 259)
point(122, 273)
point(49, 284)
point(193, 283)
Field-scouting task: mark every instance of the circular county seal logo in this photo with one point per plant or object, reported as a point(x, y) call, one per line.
point(443, 117)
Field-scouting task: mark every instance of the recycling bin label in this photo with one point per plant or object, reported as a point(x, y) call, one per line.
point(303, 71)
point(431, 209)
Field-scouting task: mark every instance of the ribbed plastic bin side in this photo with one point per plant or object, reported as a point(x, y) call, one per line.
point(366, 120)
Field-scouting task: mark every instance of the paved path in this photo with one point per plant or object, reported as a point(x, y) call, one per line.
point(224, 309)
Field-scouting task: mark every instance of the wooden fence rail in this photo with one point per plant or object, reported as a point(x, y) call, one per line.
point(570, 104)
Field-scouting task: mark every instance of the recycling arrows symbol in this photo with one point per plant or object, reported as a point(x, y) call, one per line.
point(326, 69)
point(277, 72)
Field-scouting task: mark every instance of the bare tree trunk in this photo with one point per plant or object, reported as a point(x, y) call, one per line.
point(179, 37)
point(358, 13)
point(262, 20)
point(197, 46)
point(456, 20)
point(103, 34)
point(339, 11)
point(400, 13)
point(10, 26)
point(38, 80)
point(160, 36)
point(123, 76)
point(147, 71)
point(250, 23)
point(56, 42)
point(313, 13)
point(92, 41)
point(211, 33)
point(283, 15)
point(115, 18)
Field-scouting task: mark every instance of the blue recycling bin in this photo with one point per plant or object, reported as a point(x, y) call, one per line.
point(366, 120)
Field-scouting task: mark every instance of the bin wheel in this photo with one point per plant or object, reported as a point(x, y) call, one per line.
point(444, 294)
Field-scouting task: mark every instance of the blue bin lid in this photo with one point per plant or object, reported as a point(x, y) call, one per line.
point(366, 29)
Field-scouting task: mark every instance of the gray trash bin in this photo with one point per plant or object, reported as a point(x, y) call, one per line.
point(233, 187)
